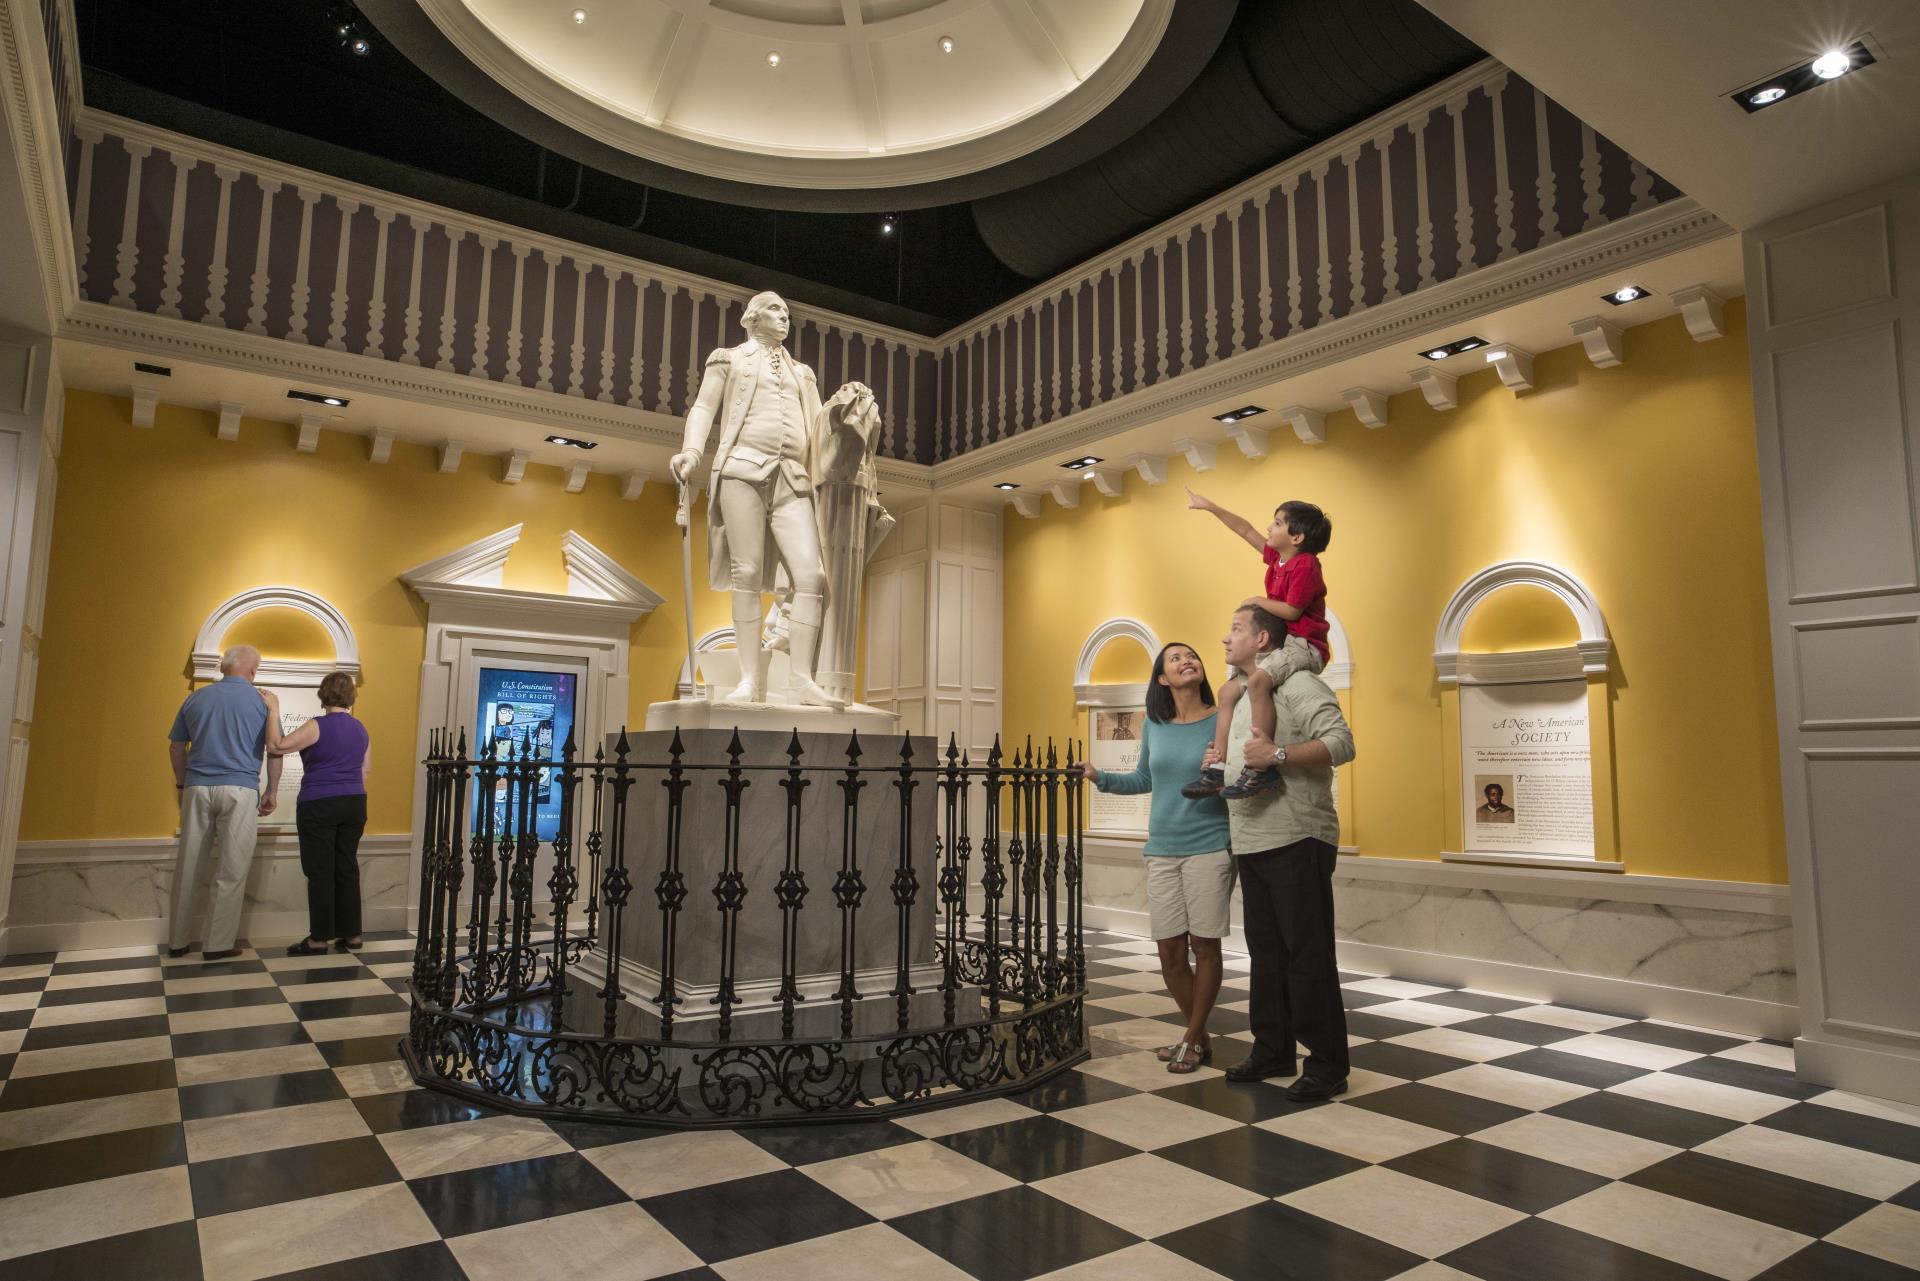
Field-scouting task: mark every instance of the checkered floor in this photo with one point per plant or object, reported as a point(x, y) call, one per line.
point(247, 1119)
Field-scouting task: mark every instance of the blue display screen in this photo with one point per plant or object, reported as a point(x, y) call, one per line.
point(526, 712)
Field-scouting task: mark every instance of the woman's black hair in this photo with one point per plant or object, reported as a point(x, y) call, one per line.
point(1308, 521)
point(1160, 708)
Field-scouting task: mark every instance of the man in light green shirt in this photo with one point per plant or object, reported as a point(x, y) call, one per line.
point(1286, 842)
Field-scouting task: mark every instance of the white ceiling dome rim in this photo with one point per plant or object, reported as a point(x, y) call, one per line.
point(844, 169)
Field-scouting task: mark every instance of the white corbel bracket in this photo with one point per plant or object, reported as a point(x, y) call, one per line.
point(1152, 467)
point(632, 484)
point(1369, 406)
point(577, 477)
point(450, 452)
point(1438, 388)
point(1515, 367)
point(145, 401)
point(1067, 494)
point(1110, 481)
point(230, 412)
point(1252, 440)
point(1027, 505)
point(1310, 425)
point(1703, 310)
point(513, 466)
point(1601, 338)
point(380, 446)
point(1199, 453)
point(309, 438)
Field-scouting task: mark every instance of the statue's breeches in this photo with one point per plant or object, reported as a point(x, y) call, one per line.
point(761, 521)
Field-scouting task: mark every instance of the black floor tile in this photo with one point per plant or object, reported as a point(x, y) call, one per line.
point(1476, 1001)
point(413, 1109)
point(1576, 1068)
point(1748, 1076)
point(14, 987)
point(1072, 1090)
point(240, 998)
point(1098, 1014)
point(1438, 1109)
point(97, 995)
point(1825, 1261)
point(172, 1252)
point(597, 1134)
point(1675, 1038)
point(1533, 1250)
point(227, 1039)
point(1403, 1061)
point(195, 968)
point(348, 1007)
point(360, 1049)
point(1512, 1179)
point(1795, 1204)
point(1258, 1101)
point(1645, 1119)
point(1260, 1160)
point(14, 1020)
point(1353, 1000)
point(345, 972)
point(745, 1216)
point(1013, 1234)
point(806, 1144)
point(60, 1036)
point(1098, 991)
point(289, 1174)
point(1274, 1242)
point(1902, 1142)
point(432, 1261)
point(94, 1083)
point(1524, 1031)
point(1220, 1022)
point(6, 1065)
point(149, 962)
point(1036, 1147)
point(497, 1196)
point(1908, 1200)
point(258, 1093)
point(98, 1156)
point(30, 958)
point(1379, 1026)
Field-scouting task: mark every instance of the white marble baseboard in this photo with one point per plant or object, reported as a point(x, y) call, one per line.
point(88, 894)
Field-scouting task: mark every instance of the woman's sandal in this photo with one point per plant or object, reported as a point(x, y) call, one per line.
point(305, 947)
point(1187, 1056)
point(347, 946)
point(1165, 1052)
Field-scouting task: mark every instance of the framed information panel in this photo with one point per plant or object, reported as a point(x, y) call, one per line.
point(521, 710)
point(1526, 765)
point(1115, 746)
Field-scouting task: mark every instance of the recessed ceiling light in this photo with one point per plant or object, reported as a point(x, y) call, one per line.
point(1006, 484)
point(1833, 64)
point(946, 44)
point(1453, 348)
point(141, 367)
point(579, 16)
point(887, 224)
point(1625, 294)
point(318, 398)
point(570, 441)
point(773, 57)
point(1235, 415)
point(1078, 463)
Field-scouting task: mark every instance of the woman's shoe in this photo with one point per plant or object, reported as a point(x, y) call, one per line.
point(306, 947)
point(1187, 1057)
point(348, 945)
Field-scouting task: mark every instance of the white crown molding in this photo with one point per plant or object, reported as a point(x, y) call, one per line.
point(478, 564)
point(593, 574)
point(1589, 655)
point(1593, 255)
point(205, 658)
point(478, 601)
point(1088, 694)
point(34, 138)
point(403, 206)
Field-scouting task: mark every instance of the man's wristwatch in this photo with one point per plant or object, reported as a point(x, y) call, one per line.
point(1279, 755)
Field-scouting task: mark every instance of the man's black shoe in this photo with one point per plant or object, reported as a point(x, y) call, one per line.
point(1252, 1069)
point(177, 952)
point(1311, 1089)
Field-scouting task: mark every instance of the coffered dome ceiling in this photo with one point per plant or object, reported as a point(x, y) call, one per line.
point(813, 93)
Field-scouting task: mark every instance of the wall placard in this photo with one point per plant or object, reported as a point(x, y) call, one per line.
point(1115, 746)
point(1527, 768)
point(298, 705)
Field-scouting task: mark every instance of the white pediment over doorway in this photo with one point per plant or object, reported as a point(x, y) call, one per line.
point(599, 588)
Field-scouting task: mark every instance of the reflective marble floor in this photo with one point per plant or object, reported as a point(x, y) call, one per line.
point(248, 1119)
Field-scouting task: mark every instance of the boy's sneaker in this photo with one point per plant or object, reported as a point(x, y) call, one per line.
point(1211, 780)
point(1250, 782)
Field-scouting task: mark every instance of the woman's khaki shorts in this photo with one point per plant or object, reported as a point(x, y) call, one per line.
point(1189, 894)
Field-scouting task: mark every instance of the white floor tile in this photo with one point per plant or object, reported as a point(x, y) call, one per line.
point(1584, 1147)
point(1146, 1195)
point(1815, 1160)
point(1632, 1053)
point(1415, 1215)
point(1887, 1232)
point(1731, 1102)
point(1698, 1236)
point(1356, 1132)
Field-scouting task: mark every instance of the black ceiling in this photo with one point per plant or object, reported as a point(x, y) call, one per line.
point(269, 76)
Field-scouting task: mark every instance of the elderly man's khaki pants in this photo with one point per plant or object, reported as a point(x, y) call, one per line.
point(232, 814)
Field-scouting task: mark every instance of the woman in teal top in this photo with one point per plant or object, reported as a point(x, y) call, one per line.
point(1189, 870)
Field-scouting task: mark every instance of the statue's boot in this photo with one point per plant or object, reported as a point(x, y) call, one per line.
point(746, 639)
point(803, 642)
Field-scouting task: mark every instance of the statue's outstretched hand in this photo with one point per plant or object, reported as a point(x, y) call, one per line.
point(683, 464)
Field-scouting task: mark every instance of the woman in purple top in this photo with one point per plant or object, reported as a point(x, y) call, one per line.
point(331, 813)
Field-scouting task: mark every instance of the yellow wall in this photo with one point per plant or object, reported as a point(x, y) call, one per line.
point(1640, 480)
point(155, 528)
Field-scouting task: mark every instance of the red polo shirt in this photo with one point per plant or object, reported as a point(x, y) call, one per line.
point(1296, 581)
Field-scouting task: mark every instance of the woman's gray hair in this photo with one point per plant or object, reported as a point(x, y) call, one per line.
point(239, 656)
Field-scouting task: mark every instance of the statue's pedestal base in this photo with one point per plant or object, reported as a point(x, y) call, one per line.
point(873, 724)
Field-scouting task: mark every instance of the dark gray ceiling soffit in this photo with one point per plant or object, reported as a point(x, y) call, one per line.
point(1194, 32)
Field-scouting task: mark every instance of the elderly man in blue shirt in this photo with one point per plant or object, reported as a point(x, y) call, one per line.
point(216, 745)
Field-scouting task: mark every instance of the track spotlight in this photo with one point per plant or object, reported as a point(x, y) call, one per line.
point(1831, 65)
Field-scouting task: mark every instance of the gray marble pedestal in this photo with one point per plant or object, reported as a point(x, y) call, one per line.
point(761, 859)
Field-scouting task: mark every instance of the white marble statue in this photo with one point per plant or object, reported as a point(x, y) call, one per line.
point(778, 444)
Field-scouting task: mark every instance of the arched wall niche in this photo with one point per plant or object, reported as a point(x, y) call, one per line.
point(1588, 655)
point(302, 673)
point(1131, 694)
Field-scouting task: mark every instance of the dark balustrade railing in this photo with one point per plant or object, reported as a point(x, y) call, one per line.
point(522, 1001)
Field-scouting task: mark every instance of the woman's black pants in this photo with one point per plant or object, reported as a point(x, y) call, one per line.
point(330, 831)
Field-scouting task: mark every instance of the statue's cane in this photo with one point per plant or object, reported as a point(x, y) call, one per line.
point(683, 517)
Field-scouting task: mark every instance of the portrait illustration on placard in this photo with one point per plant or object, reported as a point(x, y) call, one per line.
point(1493, 789)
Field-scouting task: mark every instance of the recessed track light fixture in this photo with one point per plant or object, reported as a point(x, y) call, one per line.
point(1624, 294)
point(1235, 415)
point(1075, 464)
point(142, 367)
point(573, 443)
point(318, 398)
point(1006, 484)
point(1443, 350)
point(1811, 74)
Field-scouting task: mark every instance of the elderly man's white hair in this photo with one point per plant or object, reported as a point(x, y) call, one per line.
point(757, 304)
point(238, 656)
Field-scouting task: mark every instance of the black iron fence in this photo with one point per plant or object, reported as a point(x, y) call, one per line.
point(584, 1002)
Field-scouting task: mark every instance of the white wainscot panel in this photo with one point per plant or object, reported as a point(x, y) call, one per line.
point(106, 890)
point(949, 665)
point(1841, 263)
point(913, 626)
point(1117, 886)
point(1864, 807)
point(1859, 672)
